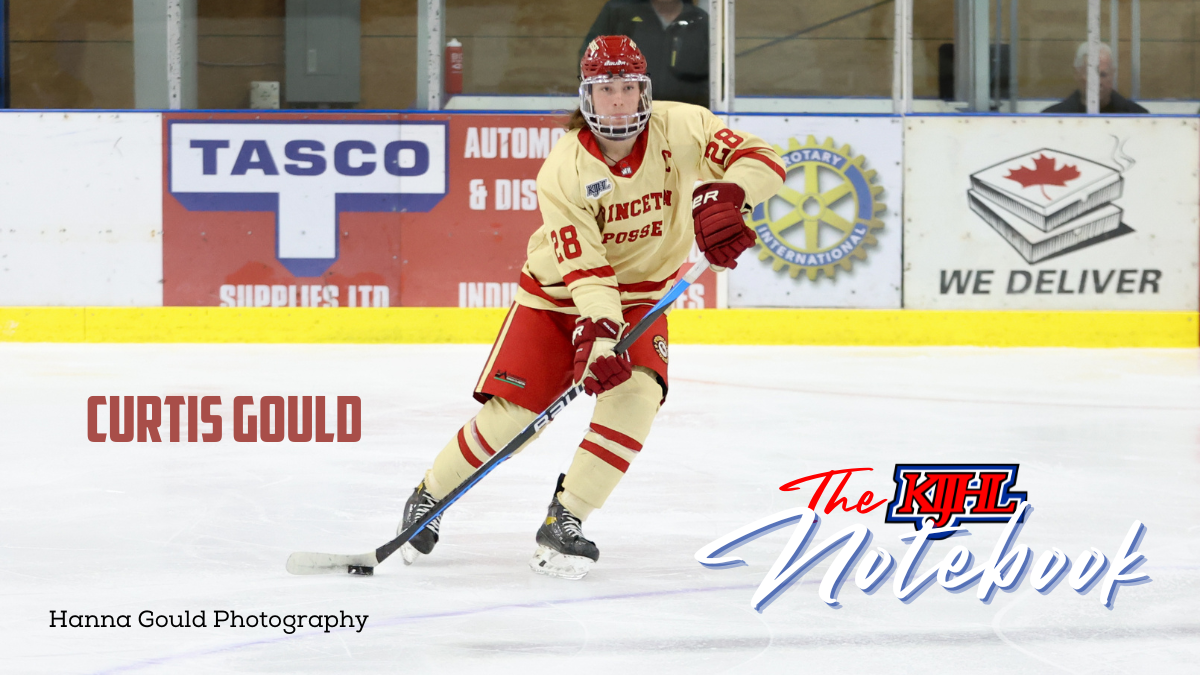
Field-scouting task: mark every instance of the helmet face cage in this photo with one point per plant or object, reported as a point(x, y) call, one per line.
point(608, 126)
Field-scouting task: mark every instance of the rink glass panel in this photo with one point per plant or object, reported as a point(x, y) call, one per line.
point(242, 42)
point(823, 49)
point(1048, 33)
point(1170, 58)
point(80, 53)
point(520, 47)
point(71, 53)
point(813, 49)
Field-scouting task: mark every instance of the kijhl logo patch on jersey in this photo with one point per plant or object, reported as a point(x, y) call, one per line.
point(599, 188)
point(947, 495)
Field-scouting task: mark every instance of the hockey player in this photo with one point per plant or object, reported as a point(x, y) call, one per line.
point(620, 211)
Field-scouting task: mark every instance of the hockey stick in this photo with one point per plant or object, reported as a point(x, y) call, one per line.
point(364, 563)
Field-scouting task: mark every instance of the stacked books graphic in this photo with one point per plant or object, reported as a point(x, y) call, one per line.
point(1047, 203)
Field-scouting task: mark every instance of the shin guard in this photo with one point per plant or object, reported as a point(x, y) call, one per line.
point(496, 424)
point(620, 424)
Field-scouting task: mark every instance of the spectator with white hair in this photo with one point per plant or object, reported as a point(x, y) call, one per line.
point(1110, 101)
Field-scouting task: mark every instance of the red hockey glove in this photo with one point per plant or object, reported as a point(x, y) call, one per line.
point(720, 230)
point(594, 342)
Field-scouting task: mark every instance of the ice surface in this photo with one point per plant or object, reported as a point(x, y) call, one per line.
point(1103, 437)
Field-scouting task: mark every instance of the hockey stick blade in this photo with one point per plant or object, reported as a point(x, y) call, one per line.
point(327, 563)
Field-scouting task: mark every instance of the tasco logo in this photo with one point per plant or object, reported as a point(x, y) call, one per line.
point(307, 175)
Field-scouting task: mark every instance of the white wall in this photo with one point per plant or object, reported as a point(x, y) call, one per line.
point(80, 209)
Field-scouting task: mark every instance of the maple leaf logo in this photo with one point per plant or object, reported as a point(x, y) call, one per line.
point(1043, 173)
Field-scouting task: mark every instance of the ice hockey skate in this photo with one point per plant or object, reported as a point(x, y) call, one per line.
point(562, 549)
point(422, 544)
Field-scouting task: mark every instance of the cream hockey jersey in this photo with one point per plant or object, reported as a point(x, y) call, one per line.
point(614, 236)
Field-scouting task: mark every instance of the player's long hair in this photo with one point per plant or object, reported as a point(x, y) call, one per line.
point(577, 120)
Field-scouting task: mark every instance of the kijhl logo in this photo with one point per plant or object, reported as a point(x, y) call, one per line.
point(953, 494)
point(307, 175)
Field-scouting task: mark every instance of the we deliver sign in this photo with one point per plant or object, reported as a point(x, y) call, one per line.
point(1051, 213)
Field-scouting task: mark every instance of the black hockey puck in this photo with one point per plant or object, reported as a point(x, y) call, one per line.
point(361, 570)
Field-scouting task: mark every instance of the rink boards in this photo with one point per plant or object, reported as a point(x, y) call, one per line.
point(920, 230)
point(688, 326)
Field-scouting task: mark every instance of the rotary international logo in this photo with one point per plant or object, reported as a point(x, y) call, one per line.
point(824, 215)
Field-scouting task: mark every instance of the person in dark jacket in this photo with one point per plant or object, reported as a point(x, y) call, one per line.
point(672, 34)
point(1110, 101)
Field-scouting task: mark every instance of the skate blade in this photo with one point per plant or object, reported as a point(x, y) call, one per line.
point(551, 563)
point(409, 553)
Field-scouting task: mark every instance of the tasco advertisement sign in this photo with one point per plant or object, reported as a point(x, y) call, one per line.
point(307, 176)
point(363, 210)
point(359, 210)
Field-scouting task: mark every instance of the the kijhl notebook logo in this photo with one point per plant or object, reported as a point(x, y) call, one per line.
point(940, 501)
point(308, 174)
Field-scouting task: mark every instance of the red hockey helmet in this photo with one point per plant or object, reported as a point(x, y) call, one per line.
point(612, 55)
point(611, 58)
